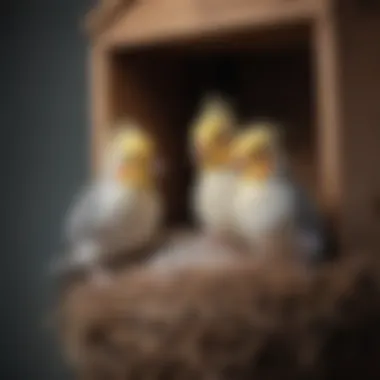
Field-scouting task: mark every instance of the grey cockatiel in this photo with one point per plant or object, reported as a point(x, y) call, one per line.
point(121, 209)
point(269, 206)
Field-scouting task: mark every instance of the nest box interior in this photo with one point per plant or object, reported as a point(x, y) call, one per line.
point(310, 65)
point(264, 76)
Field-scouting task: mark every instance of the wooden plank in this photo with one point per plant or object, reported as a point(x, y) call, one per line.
point(329, 132)
point(152, 22)
point(100, 110)
point(359, 32)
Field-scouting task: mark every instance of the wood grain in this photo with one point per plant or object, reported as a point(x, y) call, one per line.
point(151, 22)
point(100, 68)
point(329, 133)
point(359, 49)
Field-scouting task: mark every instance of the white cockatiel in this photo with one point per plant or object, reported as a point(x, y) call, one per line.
point(121, 209)
point(211, 137)
point(270, 209)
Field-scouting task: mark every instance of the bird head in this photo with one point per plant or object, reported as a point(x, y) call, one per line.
point(212, 133)
point(133, 157)
point(255, 152)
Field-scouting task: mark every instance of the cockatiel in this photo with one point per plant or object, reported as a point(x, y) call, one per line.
point(269, 207)
point(211, 137)
point(121, 210)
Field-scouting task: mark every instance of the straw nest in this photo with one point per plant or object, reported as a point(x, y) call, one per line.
point(235, 320)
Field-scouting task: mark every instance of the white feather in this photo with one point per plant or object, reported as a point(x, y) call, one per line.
point(212, 200)
point(262, 208)
point(112, 217)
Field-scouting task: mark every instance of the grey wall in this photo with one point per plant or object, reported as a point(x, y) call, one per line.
point(44, 130)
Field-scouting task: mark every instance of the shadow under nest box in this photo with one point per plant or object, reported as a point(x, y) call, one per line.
point(238, 320)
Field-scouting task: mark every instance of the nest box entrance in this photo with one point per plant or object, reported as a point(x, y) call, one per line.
point(154, 60)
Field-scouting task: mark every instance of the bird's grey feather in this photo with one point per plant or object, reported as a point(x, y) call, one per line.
point(98, 210)
point(82, 216)
point(309, 223)
point(308, 219)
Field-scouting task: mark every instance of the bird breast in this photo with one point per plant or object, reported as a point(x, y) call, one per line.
point(212, 199)
point(131, 216)
point(260, 208)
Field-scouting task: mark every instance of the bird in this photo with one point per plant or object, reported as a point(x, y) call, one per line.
point(271, 209)
point(121, 209)
point(211, 135)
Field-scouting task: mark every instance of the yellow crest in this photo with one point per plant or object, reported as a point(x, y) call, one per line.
point(256, 137)
point(132, 141)
point(215, 117)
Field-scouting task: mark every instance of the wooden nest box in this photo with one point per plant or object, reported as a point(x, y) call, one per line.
point(312, 65)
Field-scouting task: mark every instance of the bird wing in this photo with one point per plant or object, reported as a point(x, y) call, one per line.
point(309, 222)
point(83, 216)
point(97, 210)
point(100, 208)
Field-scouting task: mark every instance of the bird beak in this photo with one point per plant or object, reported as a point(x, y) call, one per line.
point(259, 170)
point(122, 172)
point(264, 170)
point(238, 164)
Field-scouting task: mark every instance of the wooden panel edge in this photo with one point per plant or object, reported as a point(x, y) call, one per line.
point(102, 16)
point(329, 135)
point(100, 112)
point(196, 24)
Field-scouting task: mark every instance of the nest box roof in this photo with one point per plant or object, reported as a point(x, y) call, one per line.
point(132, 22)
